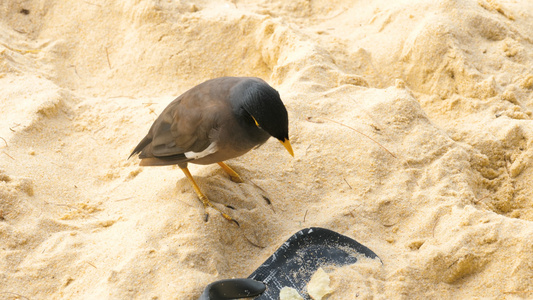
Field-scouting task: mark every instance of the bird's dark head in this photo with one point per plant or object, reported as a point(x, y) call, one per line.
point(263, 104)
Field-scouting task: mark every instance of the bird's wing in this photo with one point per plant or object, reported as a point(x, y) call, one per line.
point(186, 128)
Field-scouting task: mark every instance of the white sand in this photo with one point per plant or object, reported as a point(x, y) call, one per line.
point(445, 86)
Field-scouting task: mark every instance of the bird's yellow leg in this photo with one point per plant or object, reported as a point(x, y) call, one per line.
point(232, 174)
point(203, 198)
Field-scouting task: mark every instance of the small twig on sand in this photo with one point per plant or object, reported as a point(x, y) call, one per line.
point(66, 205)
point(305, 215)
point(519, 292)
point(15, 295)
point(4, 140)
point(107, 56)
point(257, 186)
point(347, 183)
point(476, 201)
point(306, 149)
point(124, 199)
point(8, 155)
point(99, 129)
point(342, 124)
point(75, 70)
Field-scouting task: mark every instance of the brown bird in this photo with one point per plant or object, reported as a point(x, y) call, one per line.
point(214, 121)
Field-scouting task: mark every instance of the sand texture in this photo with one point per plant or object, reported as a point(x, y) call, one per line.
point(411, 122)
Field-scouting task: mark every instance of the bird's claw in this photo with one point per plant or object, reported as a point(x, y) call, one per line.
point(208, 203)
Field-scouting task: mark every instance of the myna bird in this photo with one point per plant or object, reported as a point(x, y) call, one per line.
point(214, 121)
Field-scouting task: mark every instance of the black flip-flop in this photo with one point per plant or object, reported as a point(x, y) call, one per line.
point(292, 265)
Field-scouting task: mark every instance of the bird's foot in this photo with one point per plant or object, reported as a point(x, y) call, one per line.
point(208, 203)
point(236, 179)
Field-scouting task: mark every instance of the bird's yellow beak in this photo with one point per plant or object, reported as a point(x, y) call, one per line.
point(287, 144)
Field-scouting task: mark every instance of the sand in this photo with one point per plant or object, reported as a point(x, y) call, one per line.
point(411, 123)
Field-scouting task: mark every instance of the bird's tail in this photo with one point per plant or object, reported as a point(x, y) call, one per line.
point(147, 140)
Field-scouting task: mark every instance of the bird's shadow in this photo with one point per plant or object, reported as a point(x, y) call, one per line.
point(234, 251)
point(247, 202)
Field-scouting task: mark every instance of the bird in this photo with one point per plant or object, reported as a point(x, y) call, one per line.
point(217, 120)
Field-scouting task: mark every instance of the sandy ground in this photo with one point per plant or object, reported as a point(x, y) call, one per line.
point(440, 192)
